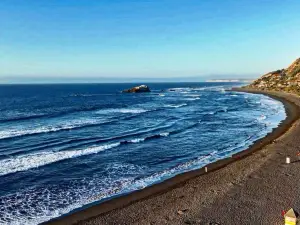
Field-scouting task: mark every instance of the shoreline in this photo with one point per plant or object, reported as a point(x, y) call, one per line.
point(111, 209)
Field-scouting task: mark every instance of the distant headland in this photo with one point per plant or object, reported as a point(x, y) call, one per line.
point(287, 80)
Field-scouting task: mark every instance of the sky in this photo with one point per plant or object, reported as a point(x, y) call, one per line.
point(77, 40)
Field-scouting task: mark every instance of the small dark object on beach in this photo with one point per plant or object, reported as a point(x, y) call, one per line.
point(180, 212)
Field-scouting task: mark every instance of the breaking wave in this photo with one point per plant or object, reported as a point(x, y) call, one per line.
point(34, 160)
point(176, 106)
point(192, 99)
point(20, 131)
point(25, 162)
point(122, 110)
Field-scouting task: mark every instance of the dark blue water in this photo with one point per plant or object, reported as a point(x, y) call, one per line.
point(65, 146)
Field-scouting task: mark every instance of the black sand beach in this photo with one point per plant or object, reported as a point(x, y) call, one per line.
point(252, 187)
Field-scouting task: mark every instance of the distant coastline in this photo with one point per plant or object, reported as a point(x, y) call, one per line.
point(230, 80)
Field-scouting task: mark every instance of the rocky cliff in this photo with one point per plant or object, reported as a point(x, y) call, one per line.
point(287, 80)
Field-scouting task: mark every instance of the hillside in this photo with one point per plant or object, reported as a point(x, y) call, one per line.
point(287, 80)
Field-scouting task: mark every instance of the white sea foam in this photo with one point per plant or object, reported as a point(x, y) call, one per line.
point(35, 205)
point(192, 95)
point(176, 106)
point(222, 90)
point(34, 160)
point(165, 134)
point(46, 128)
point(137, 140)
point(183, 89)
point(211, 88)
point(269, 112)
point(25, 162)
point(165, 174)
point(192, 99)
point(262, 117)
point(267, 101)
point(19, 115)
point(122, 110)
point(222, 98)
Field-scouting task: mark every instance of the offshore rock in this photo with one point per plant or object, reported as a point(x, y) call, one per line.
point(137, 89)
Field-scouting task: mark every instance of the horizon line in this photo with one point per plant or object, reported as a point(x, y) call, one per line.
point(130, 82)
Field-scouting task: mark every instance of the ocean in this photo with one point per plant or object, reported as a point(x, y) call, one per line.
point(66, 146)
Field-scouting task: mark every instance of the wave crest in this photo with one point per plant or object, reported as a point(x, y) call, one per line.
point(34, 160)
point(122, 110)
point(17, 132)
point(176, 106)
point(30, 161)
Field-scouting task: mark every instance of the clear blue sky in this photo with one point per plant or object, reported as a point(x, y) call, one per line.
point(138, 38)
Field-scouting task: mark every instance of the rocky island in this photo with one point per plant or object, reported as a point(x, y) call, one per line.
point(287, 80)
point(137, 89)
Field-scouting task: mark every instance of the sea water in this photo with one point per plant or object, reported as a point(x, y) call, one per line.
point(63, 147)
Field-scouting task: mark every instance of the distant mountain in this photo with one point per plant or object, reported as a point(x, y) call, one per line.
point(287, 80)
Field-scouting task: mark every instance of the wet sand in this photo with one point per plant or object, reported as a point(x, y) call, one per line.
point(251, 187)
